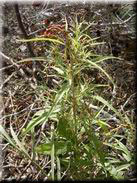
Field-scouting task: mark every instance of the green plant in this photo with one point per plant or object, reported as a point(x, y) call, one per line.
point(74, 112)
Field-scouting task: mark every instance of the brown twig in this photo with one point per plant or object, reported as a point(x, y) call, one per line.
point(20, 70)
point(37, 31)
point(2, 85)
point(22, 28)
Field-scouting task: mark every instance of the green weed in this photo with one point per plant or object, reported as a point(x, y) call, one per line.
point(80, 143)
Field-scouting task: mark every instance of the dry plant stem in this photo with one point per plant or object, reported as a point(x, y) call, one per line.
point(115, 23)
point(37, 31)
point(7, 67)
point(29, 163)
point(18, 69)
point(23, 110)
point(26, 119)
point(36, 164)
point(65, 172)
point(11, 99)
point(7, 80)
point(21, 26)
point(126, 21)
point(43, 168)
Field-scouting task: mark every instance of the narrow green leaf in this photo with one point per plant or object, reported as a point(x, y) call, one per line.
point(97, 145)
point(100, 68)
point(8, 138)
point(58, 169)
point(60, 71)
point(99, 98)
point(123, 147)
point(123, 167)
point(95, 44)
point(52, 161)
point(31, 59)
point(20, 145)
point(41, 39)
point(127, 157)
point(46, 115)
point(107, 58)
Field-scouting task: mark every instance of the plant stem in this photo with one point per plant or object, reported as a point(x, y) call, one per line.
point(71, 57)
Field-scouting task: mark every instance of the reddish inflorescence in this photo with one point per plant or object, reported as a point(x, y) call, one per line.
point(54, 30)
